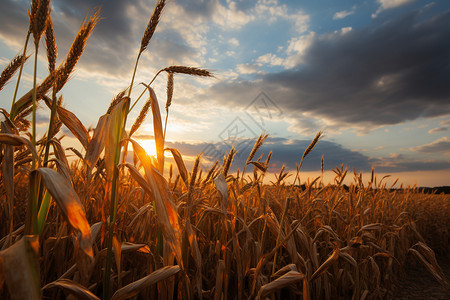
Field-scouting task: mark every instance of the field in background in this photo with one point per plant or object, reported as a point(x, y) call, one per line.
point(104, 228)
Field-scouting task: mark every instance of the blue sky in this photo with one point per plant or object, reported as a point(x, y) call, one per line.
point(374, 75)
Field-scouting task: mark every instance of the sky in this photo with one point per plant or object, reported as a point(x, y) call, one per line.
point(374, 75)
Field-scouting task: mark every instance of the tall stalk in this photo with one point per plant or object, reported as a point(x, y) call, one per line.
point(20, 70)
point(33, 124)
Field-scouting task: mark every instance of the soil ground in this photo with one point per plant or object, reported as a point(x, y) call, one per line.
point(418, 283)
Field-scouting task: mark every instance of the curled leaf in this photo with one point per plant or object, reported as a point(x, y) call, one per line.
point(180, 164)
point(67, 199)
point(285, 280)
point(73, 288)
point(20, 269)
point(135, 287)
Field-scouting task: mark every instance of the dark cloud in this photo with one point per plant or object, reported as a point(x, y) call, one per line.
point(170, 46)
point(14, 16)
point(381, 75)
point(284, 152)
point(199, 8)
point(245, 5)
point(438, 129)
point(110, 40)
point(289, 152)
point(112, 48)
point(406, 166)
point(440, 145)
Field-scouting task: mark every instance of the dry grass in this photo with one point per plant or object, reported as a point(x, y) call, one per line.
point(97, 228)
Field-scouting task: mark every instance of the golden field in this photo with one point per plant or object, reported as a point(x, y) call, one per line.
point(103, 227)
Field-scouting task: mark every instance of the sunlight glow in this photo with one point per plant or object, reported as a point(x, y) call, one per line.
point(148, 145)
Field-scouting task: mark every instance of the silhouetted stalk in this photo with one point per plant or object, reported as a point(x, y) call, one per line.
point(50, 126)
point(132, 78)
point(33, 138)
point(113, 208)
point(143, 92)
point(20, 70)
point(112, 220)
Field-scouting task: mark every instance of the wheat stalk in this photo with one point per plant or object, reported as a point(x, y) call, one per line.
point(169, 98)
point(188, 70)
point(52, 49)
point(140, 119)
point(228, 160)
point(151, 26)
point(40, 10)
point(307, 151)
point(76, 50)
point(259, 142)
point(116, 100)
point(11, 69)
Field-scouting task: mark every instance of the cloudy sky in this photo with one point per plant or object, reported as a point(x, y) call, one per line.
point(374, 75)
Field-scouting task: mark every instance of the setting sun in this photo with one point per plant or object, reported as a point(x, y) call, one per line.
point(148, 145)
point(263, 149)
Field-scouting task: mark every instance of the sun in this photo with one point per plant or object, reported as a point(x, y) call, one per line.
point(149, 146)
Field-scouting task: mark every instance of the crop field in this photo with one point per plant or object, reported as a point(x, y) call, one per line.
point(102, 226)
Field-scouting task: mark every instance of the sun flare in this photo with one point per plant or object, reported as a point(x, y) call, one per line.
point(149, 146)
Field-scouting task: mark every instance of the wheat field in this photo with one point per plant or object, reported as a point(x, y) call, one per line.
point(102, 227)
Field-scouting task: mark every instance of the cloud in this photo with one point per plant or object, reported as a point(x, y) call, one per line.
point(389, 4)
point(285, 152)
point(109, 42)
point(247, 68)
point(381, 75)
point(113, 46)
point(270, 59)
point(414, 165)
point(440, 145)
point(343, 14)
point(289, 151)
point(444, 126)
point(402, 163)
point(234, 42)
point(438, 129)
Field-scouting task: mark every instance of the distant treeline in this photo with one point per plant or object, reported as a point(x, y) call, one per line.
point(426, 190)
point(435, 190)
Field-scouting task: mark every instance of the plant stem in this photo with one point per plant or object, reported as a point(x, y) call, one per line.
point(50, 127)
point(113, 205)
point(143, 92)
point(113, 210)
point(33, 137)
point(20, 70)
point(165, 124)
point(112, 220)
point(134, 74)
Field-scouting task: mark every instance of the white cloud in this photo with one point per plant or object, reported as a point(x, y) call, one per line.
point(271, 11)
point(247, 68)
point(270, 59)
point(230, 17)
point(388, 4)
point(295, 51)
point(343, 14)
point(345, 30)
point(297, 47)
point(234, 42)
